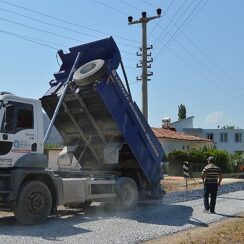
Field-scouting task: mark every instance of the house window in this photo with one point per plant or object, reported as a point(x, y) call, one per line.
point(238, 137)
point(210, 136)
point(223, 137)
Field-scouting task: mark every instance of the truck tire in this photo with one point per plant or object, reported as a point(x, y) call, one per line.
point(127, 193)
point(89, 72)
point(34, 203)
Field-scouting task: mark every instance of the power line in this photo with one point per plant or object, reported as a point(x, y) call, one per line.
point(237, 86)
point(174, 35)
point(130, 5)
point(154, 6)
point(60, 27)
point(50, 24)
point(197, 12)
point(185, 10)
point(178, 10)
point(179, 17)
point(206, 67)
point(112, 8)
point(212, 62)
point(27, 39)
point(41, 30)
point(42, 42)
point(175, 24)
point(149, 3)
point(203, 75)
point(66, 21)
point(164, 13)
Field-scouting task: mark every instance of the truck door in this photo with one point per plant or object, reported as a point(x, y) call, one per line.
point(18, 136)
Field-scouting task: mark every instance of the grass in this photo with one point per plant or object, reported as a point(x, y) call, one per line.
point(227, 231)
point(230, 231)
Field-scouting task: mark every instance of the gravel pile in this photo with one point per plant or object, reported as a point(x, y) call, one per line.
point(189, 195)
point(147, 222)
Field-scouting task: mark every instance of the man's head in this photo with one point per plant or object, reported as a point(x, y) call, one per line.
point(210, 159)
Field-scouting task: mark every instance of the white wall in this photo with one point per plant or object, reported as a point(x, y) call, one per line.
point(230, 146)
point(183, 123)
point(170, 145)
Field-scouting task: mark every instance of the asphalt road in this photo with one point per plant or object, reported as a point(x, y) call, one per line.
point(148, 221)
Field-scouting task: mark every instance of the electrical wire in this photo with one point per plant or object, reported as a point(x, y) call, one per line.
point(210, 70)
point(61, 27)
point(66, 21)
point(234, 85)
point(179, 17)
point(177, 30)
point(212, 82)
point(212, 62)
point(41, 30)
point(197, 12)
point(207, 68)
point(130, 5)
point(27, 39)
point(50, 24)
point(178, 10)
point(160, 19)
point(112, 8)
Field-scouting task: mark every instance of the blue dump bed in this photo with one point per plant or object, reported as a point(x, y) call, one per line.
point(100, 120)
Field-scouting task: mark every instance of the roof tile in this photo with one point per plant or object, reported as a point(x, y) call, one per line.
point(166, 133)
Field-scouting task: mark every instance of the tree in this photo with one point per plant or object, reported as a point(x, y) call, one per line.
point(181, 112)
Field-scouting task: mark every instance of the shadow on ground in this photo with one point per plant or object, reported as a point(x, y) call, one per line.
point(73, 222)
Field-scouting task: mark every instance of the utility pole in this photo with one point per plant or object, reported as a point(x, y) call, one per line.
point(144, 54)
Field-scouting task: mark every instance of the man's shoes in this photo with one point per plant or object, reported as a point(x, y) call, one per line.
point(205, 210)
point(212, 212)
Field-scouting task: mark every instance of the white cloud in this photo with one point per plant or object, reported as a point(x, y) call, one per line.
point(214, 118)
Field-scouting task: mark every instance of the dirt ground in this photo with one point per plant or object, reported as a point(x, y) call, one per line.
point(177, 183)
point(225, 231)
point(228, 230)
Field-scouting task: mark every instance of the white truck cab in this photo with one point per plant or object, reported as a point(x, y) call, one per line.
point(21, 131)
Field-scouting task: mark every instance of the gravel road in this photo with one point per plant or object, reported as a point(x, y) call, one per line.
point(177, 212)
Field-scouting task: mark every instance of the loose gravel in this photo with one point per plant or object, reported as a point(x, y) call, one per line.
point(189, 195)
point(178, 211)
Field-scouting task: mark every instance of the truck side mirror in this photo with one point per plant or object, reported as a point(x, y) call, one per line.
point(9, 118)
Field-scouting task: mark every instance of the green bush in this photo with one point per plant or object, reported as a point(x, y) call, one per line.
point(197, 160)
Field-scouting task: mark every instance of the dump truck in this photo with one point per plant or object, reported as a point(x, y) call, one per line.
point(102, 129)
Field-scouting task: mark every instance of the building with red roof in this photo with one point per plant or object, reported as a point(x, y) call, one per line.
point(172, 140)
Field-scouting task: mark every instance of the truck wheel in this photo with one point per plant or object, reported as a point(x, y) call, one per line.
point(127, 193)
point(34, 203)
point(89, 72)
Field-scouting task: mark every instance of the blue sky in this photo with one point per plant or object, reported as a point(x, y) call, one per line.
point(198, 51)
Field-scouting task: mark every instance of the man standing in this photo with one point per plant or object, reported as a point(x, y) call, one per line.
point(212, 178)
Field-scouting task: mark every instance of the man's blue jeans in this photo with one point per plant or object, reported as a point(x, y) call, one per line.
point(210, 189)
